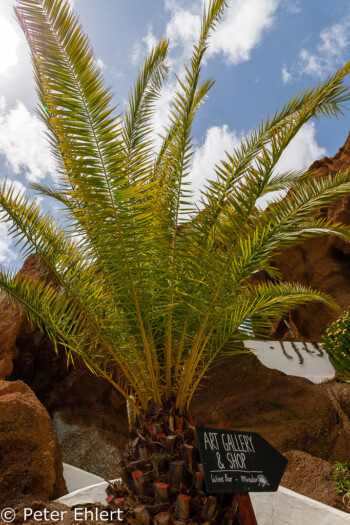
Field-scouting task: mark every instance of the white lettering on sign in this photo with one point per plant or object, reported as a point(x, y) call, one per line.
point(251, 479)
point(221, 465)
point(221, 479)
point(211, 440)
point(240, 443)
point(236, 461)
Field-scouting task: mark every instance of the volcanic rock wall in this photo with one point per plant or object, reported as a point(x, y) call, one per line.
point(322, 263)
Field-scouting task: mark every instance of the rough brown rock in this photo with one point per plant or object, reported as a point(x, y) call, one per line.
point(30, 461)
point(322, 263)
point(13, 321)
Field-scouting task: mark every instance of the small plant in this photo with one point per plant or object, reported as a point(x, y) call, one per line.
point(342, 481)
point(337, 345)
point(285, 353)
point(296, 350)
point(318, 347)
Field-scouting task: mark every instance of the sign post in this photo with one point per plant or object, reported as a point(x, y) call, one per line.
point(239, 462)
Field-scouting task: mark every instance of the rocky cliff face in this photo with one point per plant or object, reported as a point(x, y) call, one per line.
point(13, 321)
point(322, 263)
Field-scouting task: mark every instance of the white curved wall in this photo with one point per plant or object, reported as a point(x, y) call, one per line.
point(282, 356)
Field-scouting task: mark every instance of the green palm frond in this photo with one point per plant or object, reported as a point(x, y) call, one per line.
point(137, 129)
point(145, 288)
point(250, 167)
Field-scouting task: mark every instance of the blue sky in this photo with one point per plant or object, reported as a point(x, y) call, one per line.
point(263, 52)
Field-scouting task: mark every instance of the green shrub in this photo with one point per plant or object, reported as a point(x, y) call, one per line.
point(342, 480)
point(337, 345)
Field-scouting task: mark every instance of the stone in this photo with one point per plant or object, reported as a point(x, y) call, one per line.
point(13, 321)
point(30, 461)
point(322, 263)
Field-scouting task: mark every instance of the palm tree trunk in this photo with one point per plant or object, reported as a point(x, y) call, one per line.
point(162, 479)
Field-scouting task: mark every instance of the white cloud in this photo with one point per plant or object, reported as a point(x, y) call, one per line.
point(100, 63)
point(286, 75)
point(161, 115)
point(217, 141)
point(331, 50)
point(9, 44)
point(302, 151)
point(183, 30)
point(23, 144)
point(136, 52)
point(6, 253)
point(145, 46)
point(292, 7)
point(335, 38)
point(150, 40)
point(242, 29)
point(310, 64)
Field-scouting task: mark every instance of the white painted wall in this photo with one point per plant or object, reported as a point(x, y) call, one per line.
point(282, 356)
point(91, 494)
point(77, 478)
point(286, 507)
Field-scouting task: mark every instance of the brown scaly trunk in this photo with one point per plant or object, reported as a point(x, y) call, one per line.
point(162, 477)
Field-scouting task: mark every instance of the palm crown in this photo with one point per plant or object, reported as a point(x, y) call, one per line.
point(145, 287)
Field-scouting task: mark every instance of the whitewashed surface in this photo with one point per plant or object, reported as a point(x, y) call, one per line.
point(286, 507)
point(282, 356)
point(77, 478)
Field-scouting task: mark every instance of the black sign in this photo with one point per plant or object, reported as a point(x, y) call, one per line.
point(238, 461)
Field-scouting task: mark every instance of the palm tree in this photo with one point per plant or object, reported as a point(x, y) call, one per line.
point(148, 289)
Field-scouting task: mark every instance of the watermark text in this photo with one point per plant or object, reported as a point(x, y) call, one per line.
point(80, 514)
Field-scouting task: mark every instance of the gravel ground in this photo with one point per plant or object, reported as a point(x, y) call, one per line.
point(83, 448)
